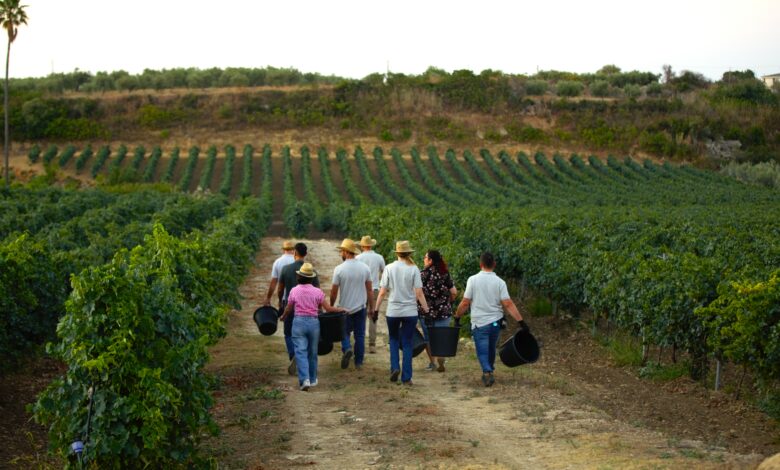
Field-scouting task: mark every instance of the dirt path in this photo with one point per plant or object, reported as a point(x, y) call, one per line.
point(531, 418)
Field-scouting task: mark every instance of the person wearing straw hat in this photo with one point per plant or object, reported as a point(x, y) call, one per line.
point(351, 284)
point(402, 285)
point(287, 257)
point(303, 303)
point(487, 296)
point(376, 264)
point(287, 280)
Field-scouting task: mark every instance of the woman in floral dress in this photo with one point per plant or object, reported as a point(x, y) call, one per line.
point(439, 291)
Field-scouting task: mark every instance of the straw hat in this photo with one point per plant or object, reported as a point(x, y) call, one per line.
point(288, 245)
point(307, 270)
point(367, 241)
point(403, 247)
point(349, 245)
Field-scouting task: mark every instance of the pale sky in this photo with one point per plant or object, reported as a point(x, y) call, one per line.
point(354, 38)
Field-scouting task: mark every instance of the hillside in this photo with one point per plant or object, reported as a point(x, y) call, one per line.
point(682, 117)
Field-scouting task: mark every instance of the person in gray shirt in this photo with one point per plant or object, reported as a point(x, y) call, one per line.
point(376, 264)
point(352, 285)
point(487, 296)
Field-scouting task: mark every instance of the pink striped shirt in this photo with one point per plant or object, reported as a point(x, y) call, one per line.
point(306, 300)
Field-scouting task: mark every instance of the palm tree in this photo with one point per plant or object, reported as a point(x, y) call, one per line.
point(11, 16)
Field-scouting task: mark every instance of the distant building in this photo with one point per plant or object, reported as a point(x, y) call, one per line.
point(771, 80)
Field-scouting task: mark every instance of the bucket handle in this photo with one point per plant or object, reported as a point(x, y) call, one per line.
point(524, 326)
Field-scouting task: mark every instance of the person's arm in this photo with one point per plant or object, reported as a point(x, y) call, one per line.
point(326, 306)
point(510, 307)
point(271, 289)
point(280, 290)
point(379, 298)
point(287, 310)
point(464, 305)
point(453, 293)
point(334, 293)
point(418, 292)
point(370, 295)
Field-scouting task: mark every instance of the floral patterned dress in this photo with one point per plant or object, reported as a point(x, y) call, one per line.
point(436, 287)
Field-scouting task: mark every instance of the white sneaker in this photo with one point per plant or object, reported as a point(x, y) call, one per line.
point(305, 385)
point(314, 384)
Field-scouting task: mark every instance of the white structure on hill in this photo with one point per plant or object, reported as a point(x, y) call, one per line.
point(771, 80)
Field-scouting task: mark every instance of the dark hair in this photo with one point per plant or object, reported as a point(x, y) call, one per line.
point(301, 249)
point(487, 260)
point(438, 261)
point(304, 279)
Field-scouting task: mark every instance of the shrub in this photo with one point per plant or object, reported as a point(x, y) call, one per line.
point(599, 88)
point(154, 117)
point(569, 88)
point(76, 129)
point(654, 89)
point(632, 91)
point(526, 134)
point(536, 87)
point(764, 174)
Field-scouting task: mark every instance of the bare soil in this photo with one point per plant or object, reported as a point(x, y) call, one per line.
point(572, 409)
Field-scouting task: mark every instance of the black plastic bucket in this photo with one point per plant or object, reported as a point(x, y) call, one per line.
point(418, 343)
point(266, 318)
point(331, 327)
point(324, 347)
point(444, 340)
point(522, 348)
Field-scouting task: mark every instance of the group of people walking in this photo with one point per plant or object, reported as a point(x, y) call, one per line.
point(361, 284)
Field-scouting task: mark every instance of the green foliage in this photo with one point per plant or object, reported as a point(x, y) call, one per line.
point(765, 174)
point(526, 133)
point(208, 169)
point(154, 117)
point(743, 324)
point(76, 129)
point(151, 166)
point(134, 339)
point(34, 153)
point(569, 88)
point(743, 87)
point(100, 160)
point(173, 159)
point(632, 91)
point(536, 87)
point(81, 161)
point(624, 351)
point(600, 88)
point(66, 155)
point(32, 290)
point(664, 373)
point(51, 152)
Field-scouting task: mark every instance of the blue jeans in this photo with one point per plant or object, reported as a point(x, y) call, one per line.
point(401, 329)
point(306, 336)
point(485, 339)
point(435, 323)
point(355, 323)
point(288, 323)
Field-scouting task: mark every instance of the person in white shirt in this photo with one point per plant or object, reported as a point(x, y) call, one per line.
point(376, 265)
point(487, 296)
point(402, 285)
point(352, 285)
point(287, 257)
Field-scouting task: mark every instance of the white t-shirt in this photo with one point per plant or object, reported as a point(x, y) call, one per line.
point(282, 261)
point(375, 264)
point(400, 279)
point(486, 291)
point(351, 277)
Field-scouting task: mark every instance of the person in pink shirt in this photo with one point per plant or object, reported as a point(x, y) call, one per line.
point(304, 302)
